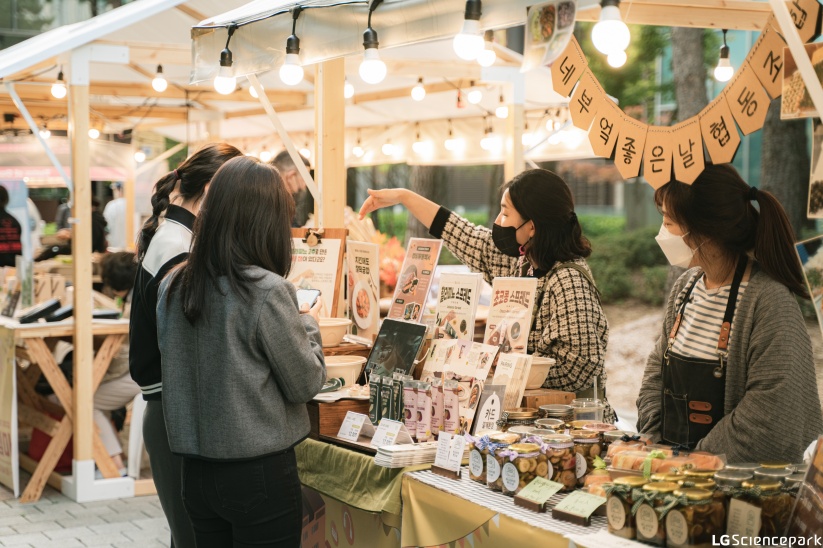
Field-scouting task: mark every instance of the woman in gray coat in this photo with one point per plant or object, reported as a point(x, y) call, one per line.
point(732, 372)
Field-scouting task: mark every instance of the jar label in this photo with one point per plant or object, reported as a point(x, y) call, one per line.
point(581, 465)
point(616, 513)
point(475, 463)
point(647, 524)
point(511, 478)
point(492, 469)
point(677, 530)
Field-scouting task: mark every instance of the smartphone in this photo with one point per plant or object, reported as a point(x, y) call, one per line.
point(307, 296)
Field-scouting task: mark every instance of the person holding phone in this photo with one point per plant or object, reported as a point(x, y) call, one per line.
point(235, 403)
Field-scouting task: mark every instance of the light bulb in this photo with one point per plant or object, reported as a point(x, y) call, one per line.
point(58, 88)
point(139, 156)
point(551, 125)
point(423, 148)
point(617, 59)
point(159, 83)
point(225, 82)
point(265, 156)
point(453, 144)
point(358, 151)
point(487, 57)
point(527, 139)
point(724, 71)
point(44, 133)
point(253, 92)
point(305, 152)
point(610, 33)
point(388, 149)
point(502, 111)
point(418, 92)
point(348, 90)
point(557, 137)
point(291, 73)
point(94, 133)
point(475, 96)
point(372, 69)
point(469, 43)
point(572, 139)
point(487, 142)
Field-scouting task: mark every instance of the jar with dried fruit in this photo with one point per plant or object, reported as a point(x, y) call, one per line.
point(647, 503)
point(587, 446)
point(522, 431)
point(559, 449)
point(478, 449)
point(693, 518)
point(619, 505)
point(494, 462)
point(730, 482)
point(775, 505)
point(549, 424)
point(521, 416)
point(525, 462)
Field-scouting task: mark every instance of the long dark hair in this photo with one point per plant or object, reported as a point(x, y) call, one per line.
point(245, 221)
point(544, 198)
point(718, 207)
point(194, 174)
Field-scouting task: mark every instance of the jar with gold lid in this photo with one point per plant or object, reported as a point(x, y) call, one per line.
point(587, 446)
point(794, 482)
point(693, 517)
point(524, 462)
point(774, 474)
point(749, 467)
point(478, 449)
point(648, 502)
point(775, 504)
point(550, 424)
point(619, 505)
point(522, 431)
point(559, 449)
point(556, 411)
point(494, 462)
point(667, 476)
point(520, 416)
point(774, 464)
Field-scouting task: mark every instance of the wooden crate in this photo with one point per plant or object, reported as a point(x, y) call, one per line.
point(326, 417)
point(543, 396)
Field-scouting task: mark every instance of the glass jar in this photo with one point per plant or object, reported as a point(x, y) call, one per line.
point(540, 432)
point(524, 463)
point(774, 474)
point(619, 505)
point(729, 482)
point(697, 519)
point(549, 424)
point(578, 425)
point(667, 476)
point(600, 427)
point(521, 416)
point(559, 449)
point(794, 482)
point(749, 467)
point(588, 409)
point(649, 528)
point(478, 449)
point(494, 462)
point(522, 431)
point(801, 468)
point(774, 503)
point(557, 411)
point(587, 446)
point(776, 465)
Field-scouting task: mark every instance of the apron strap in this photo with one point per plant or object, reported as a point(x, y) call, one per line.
point(679, 318)
point(723, 340)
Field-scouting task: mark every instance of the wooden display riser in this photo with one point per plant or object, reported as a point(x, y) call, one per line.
point(544, 396)
point(326, 417)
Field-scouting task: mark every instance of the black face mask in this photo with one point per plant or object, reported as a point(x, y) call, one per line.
point(505, 239)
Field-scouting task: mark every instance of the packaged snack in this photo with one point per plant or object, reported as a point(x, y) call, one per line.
point(437, 407)
point(424, 411)
point(410, 406)
point(451, 407)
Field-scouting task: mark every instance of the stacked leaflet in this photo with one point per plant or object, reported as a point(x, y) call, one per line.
point(400, 456)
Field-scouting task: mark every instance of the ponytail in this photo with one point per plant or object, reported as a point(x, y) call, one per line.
point(774, 244)
point(159, 204)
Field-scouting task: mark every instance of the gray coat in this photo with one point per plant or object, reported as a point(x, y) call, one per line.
point(772, 409)
point(235, 385)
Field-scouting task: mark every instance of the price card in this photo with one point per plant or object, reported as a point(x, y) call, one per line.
point(444, 443)
point(744, 520)
point(580, 504)
point(458, 446)
point(352, 425)
point(386, 433)
point(540, 490)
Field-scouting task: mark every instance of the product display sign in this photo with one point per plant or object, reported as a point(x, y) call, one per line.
point(510, 314)
point(657, 156)
point(688, 151)
point(540, 490)
point(807, 515)
point(364, 282)
point(457, 300)
point(568, 68)
point(318, 266)
point(747, 100)
point(412, 289)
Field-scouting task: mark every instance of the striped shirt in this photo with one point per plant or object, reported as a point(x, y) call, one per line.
point(700, 328)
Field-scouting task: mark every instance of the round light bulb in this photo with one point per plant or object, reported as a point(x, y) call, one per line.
point(572, 139)
point(265, 156)
point(724, 70)
point(305, 152)
point(45, 133)
point(455, 144)
point(527, 139)
point(418, 92)
point(487, 57)
point(291, 73)
point(139, 156)
point(372, 69)
point(159, 84)
point(610, 33)
point(502, 111)
point(358, 151)
point(617, 59)
point(94, 133)
point(469, 43)
point(475, 96)
point(225, 82)
point(487, 142)
point(423, 148)
point(348, 90)
point(58, 90)
point(388, 149)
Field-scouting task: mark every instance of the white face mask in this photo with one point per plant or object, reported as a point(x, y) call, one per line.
point(675, 249)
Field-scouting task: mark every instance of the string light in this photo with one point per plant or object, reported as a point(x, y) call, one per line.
point(502, 110)
point(724, 70)
point(44, 132)
point(139, 156)
point(469, 43)
point(159, 82)
point(610, 33)
point(58, 88)
point(291, 73)
point(475, 95)
point(358, 150)
point(225, 82)
point(418, 92)
point(348, 90)
point(305, 152)
point(487, 55)
point(617, 59)
point(265, 156)
point(94, 133)
point(372, 69)
point(453, 144)
point(388, 148)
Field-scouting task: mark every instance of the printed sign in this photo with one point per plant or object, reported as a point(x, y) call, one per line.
point(719, 131)
point(630, 143)
point(605, 129)
point(316, 268)
point(415, 279)
point(657, 156)
point(766, 58)
point(364, 282)
point(568, 68)
point(688, 151)
point(747, 100)
point(585, 99)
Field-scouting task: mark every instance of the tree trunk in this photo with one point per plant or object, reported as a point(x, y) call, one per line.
point(785, 165)
point(426, 181)
point(689, 72)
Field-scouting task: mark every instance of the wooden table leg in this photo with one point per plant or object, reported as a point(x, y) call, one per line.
point(107, 351)
point(56, 447)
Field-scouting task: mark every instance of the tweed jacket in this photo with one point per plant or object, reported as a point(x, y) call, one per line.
point(772, 408)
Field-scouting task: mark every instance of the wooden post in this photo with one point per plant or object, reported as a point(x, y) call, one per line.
point(330, 166)
point(514, 162)
point(81, 257)
point(128, 194)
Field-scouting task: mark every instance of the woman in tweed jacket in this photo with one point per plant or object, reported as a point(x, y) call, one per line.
point(767, 387)
point(536, 234)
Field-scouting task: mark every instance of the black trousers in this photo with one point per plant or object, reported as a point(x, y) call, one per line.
point(256, 502)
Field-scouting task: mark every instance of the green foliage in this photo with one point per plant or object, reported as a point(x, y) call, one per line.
point(28, 16)
point(177, 158)
point(598, 225)
point(652, 288)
